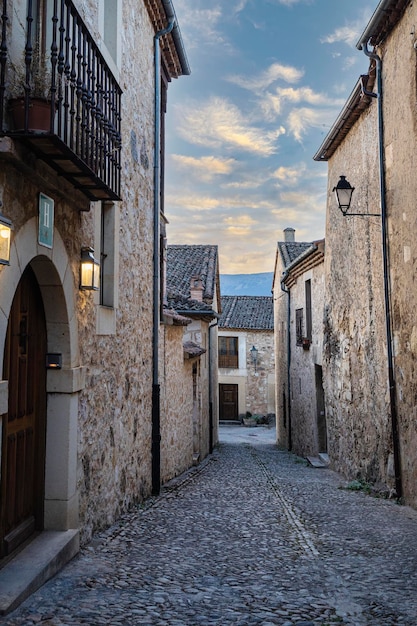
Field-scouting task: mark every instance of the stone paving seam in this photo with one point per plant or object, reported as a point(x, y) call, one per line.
point(302, 535)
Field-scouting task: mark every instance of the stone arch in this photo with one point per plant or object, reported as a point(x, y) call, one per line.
point(53, 272)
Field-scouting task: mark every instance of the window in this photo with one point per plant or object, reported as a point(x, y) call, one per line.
point(299, 326)
point(309, 323)
point(108, 254)
point(110, 19)
point(228, 352)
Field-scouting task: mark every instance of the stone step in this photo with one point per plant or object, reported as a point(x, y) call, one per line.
point(316, 461)
point(41, 559)
point(324, 457)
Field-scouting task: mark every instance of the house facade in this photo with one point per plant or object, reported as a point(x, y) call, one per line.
point(193, 291)
point(246, 357)
point(369, 340)
point(77, 323)
point(298, 316)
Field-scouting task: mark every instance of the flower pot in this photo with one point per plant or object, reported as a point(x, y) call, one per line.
point(39, 114)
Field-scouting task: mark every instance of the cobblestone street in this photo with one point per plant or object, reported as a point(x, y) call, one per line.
point(253, 536)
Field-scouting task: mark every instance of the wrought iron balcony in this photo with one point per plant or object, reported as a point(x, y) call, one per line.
point(52, 62)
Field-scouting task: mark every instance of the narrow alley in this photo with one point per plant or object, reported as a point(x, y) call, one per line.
point(253, 536)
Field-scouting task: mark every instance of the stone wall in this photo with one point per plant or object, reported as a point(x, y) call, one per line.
point(259, 382)
point(400, 130)
point(354, 350)
point(117, 401)
point(176, 404)
point(114, 403)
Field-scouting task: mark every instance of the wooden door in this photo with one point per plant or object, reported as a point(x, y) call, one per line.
point(23, 440)
point(228, 402)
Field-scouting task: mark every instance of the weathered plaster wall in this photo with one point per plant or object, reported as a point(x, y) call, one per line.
point(354, 361)
point(304, 427)
point(281, 357)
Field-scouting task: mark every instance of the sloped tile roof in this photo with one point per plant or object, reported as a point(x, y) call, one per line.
point(291, 250)
point(247, 312)
point(186, 306)
point(184, 262)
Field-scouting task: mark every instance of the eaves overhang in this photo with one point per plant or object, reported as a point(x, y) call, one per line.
point(357, 102)
point(384, 18)
point(311, 258)
point(172, 45)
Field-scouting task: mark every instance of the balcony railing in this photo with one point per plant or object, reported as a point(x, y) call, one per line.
point(55, 61)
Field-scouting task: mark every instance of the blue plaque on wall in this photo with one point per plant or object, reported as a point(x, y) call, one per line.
point(46, 221)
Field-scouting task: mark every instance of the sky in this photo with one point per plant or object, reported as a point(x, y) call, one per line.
point(268, 80)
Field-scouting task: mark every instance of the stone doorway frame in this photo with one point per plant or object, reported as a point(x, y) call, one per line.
point(56, 281)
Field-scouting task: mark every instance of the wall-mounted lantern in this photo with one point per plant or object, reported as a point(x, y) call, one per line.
point(254, 355)
point(5, 233)
point(89, 271)
point(344, 191)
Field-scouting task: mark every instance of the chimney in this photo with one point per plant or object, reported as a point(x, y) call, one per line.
point(196, 288)
point(289, 234)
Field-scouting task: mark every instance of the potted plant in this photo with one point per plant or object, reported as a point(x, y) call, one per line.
point(36, 84)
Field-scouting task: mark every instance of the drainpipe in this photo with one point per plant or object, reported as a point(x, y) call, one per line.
point(287, 291)
point(363, 44)
point(156, 392)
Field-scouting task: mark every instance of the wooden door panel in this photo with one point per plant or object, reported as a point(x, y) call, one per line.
point(228, 395)
point(23, 449)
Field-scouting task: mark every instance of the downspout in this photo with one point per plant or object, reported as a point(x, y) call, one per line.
point(156, 392)
point(363, 44)
point(287, 291)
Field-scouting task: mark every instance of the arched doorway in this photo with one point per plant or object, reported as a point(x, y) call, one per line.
point(23, 438)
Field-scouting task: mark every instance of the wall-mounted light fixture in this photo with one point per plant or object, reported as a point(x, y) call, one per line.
point(5, 233)
point(344, 191)
point(53, 361)
point(89, 270)
point(254, 355)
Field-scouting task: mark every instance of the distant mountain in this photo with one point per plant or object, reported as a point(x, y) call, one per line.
point(246, 284)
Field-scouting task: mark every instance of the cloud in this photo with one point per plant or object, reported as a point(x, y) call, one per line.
point(204, 168)
point(200, 27)
point(274, 72)
point(300, 120)
point(349, 33)
point(289, 175)
point(220, 124)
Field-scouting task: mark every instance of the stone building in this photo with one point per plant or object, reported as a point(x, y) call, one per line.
point(81, 188)
point(369, 362)
point(193, 291)
point(246, 357)
point(298, 319)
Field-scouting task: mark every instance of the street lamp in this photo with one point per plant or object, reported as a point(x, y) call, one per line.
point(344, 191)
